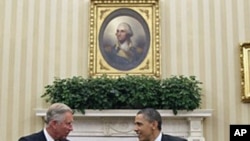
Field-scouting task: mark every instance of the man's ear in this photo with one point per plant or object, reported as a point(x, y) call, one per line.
point(53, 123)
point(154, 125)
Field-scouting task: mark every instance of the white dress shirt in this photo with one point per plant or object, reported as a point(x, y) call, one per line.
point(47, 136)
point(159, 137)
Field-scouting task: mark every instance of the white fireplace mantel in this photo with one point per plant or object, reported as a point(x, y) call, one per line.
point(118, 125)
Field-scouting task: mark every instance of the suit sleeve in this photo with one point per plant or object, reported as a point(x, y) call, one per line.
point(22, 139)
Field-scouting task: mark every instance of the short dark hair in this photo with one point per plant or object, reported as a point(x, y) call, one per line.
point(151, 115)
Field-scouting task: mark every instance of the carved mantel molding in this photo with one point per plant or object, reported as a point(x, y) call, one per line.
point(118, 125)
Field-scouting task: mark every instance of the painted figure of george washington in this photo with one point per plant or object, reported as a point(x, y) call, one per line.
point(124, 53)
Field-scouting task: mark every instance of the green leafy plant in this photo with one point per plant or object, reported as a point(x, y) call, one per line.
point(129, 92)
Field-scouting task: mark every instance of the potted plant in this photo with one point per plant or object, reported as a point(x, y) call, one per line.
point(129, 92)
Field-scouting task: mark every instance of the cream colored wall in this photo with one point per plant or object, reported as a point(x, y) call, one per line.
point(43, 39)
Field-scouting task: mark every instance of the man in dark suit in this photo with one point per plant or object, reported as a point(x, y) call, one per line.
point(148, 126)
point(59, 118)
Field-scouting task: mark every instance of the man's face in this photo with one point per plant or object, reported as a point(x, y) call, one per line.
point(143, 128)
point(63, 128)
point(121, 34)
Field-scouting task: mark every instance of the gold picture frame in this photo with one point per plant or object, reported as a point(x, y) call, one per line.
point(107, 52)
point(245, 66)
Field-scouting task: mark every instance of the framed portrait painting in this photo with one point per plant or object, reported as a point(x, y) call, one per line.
point(124, 38)
point(245, 70)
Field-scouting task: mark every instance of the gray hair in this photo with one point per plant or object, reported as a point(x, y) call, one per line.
point(127, 27)
point(56, 112)
point(151, 115)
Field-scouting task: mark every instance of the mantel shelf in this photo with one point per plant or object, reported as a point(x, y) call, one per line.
point(132, 113)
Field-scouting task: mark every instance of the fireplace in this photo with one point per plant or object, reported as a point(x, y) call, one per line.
point(118, 125)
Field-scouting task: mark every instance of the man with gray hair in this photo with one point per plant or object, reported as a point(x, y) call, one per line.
point(59, 118)
point(148, 126)
point(124, 47)
point(123, 54)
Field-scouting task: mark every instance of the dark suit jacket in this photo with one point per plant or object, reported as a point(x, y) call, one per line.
point(39, 136)
point(166, 137)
